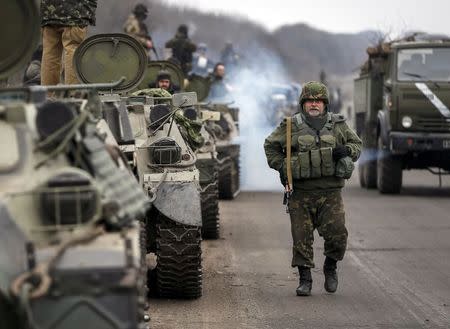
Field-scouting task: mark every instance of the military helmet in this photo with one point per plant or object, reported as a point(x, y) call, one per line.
point(314, 90)
point(183, 29)
point(140, 9)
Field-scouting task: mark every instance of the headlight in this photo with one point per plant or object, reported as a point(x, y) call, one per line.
point(407, 122)
point(165, 151)
point(158, 115)
point(69, 198)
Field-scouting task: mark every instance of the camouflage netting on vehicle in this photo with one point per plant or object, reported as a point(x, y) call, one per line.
point(152, 92)
point(189, 129)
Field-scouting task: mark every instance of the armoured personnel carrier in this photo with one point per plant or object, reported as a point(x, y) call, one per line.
point(401, 100)
point(226, 134)
point(207, 162)
point(70, 243)
point(164, 163)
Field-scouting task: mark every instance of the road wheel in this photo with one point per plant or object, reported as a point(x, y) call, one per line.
point(179, 267)
point(389, 171)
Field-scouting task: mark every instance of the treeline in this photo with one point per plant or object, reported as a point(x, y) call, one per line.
point(301, 49)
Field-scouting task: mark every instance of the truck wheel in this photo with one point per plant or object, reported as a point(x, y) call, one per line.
point(361, 174)
point(179, 267)
point(370, 174)
point(210, 211)
point(389, 171)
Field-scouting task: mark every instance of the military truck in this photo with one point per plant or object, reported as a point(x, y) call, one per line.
point(401, 100)
point(163, 162)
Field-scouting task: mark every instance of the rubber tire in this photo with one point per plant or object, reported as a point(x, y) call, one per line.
point(210, 212)
point(389, 171)
point(362, 174)
point(179, 264)
point(229, 180)
point(370, 174)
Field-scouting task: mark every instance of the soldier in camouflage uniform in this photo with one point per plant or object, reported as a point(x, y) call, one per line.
point(64, 26)
point(323, 149)
point(182, 49)
point(136, 27)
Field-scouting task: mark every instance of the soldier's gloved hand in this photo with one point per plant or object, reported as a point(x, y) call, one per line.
point(340, 151)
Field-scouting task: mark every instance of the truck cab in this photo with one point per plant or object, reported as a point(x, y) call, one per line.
point(402, 101)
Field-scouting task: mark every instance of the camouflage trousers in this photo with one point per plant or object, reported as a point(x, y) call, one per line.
point(57, 40)
point(321, 210)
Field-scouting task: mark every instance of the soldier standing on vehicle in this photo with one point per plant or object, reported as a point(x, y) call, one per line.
point(64, 26)
point(136, 27)
point(321, 149)
point(182, 48)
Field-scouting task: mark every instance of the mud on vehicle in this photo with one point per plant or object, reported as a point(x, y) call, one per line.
point(402, 100)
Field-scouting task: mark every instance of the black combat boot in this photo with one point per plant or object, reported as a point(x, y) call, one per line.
point(305, 281)
point(331, 279)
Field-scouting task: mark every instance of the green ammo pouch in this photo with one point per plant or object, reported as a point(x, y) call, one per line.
point(305, 143)
point(327, 161)
point(315, 164)
point(305, 164)
point(327, 141)
point(344, 168)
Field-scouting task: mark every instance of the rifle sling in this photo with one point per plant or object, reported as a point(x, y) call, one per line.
point(288, 151)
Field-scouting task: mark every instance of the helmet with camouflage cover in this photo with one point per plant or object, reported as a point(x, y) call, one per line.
point(314, 90)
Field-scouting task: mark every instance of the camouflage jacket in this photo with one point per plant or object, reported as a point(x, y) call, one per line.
point(275, 148)
point(137, 29)
point(68, 12)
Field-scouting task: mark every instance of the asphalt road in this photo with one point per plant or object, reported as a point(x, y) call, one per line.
point(396, 273)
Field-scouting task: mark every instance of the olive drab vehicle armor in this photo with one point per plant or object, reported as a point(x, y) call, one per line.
point(402, 101)
point(62, 213)
point(163, 162)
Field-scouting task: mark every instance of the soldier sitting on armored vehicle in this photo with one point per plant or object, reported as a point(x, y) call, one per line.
point(201, 64)
point(219, 89)
point(32, 75)
point(164, 81)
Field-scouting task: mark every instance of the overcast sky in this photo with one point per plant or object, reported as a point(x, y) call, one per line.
point(395, 16)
